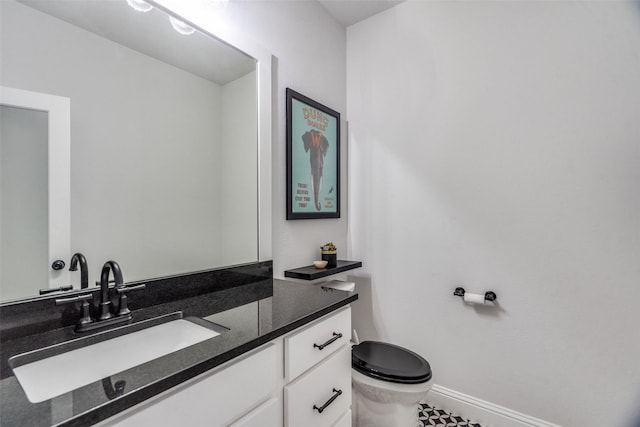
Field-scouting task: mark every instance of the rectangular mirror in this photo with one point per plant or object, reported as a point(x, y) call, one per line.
point(164, 153)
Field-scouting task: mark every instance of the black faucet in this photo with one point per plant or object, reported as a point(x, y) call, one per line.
point(105, 316)
point(84, 270)
point(105, 301)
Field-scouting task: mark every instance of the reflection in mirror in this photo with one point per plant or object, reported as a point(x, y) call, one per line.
point(23, 169)
point(163, 141)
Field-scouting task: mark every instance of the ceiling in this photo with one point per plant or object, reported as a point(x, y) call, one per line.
point(349, 12)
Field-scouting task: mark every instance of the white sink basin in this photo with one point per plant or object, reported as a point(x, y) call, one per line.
point(53, 376)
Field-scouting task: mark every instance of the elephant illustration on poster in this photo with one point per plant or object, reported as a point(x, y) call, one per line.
point(316, 144)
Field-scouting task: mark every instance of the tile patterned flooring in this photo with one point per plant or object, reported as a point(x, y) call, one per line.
point(431, 416)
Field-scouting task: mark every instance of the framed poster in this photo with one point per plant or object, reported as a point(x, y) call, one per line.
point(313, 159)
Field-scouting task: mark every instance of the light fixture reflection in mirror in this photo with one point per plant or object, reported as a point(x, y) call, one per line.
point(139, 5)
point(181, 27)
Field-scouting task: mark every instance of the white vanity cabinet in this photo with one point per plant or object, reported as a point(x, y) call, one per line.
point(277, 384)
point(318, 371)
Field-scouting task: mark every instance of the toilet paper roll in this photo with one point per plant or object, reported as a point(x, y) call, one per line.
point(340, 285)
point(470, 298)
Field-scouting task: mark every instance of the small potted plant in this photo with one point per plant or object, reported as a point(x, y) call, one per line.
point(330, 254)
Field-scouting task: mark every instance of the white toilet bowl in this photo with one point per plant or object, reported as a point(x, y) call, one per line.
point(388, 383)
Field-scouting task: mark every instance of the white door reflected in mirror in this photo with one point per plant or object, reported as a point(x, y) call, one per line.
point(34, 163)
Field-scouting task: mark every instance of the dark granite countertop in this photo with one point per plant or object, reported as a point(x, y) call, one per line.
point(255, 313)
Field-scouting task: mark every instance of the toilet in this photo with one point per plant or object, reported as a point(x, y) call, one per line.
point(388, 383)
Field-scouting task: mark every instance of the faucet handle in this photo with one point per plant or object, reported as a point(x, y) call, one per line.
point(123, 310)
point(110, 281)
point(62, 288)
point(86, 317)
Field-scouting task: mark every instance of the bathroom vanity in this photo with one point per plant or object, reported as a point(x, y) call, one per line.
point(281, 358)
point(248, 391)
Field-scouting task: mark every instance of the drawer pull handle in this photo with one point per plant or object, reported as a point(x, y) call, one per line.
point(336, 393)
point(336, 336)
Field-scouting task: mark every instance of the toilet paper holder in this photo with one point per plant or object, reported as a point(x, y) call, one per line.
point(488, 296)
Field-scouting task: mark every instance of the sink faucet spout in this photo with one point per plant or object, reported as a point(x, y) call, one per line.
point(105, 301)
point(84, 270)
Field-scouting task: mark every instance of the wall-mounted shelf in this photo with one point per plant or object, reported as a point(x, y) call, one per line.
point(311, 273)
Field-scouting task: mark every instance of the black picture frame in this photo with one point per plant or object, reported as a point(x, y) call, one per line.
point(313, 159)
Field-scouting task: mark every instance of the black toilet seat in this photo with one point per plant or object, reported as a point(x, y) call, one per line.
point(389, 362)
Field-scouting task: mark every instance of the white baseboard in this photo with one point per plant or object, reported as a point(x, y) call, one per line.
point(481, 411)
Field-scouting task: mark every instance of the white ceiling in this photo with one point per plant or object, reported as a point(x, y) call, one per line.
point(349, 12)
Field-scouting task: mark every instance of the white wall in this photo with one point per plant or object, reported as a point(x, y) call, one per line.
point(309, 48)
point(496, 145)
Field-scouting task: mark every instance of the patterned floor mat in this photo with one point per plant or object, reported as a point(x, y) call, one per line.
point(431, 416)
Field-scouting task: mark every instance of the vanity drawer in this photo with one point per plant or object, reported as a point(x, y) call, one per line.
point(315, 342)
point(316, 388)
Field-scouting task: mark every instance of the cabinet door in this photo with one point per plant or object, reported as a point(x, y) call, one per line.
point(211, 399)
point(345, 420)
point(321, 396)
point(269, 414)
